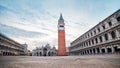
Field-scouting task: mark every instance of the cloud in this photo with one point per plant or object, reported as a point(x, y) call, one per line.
point(15, 32)
point(35, 22)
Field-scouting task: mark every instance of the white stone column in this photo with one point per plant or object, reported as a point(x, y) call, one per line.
point(89, 51)
point(92, 51)
point(103, 38)
point(85, 44)
point(90, 42)
point(106, 51)
point(98, 40)
point(106, 25)
point(94, 41)
point(109, 36)
point(117, 34)
point(100, 50)
point(96, 50)
point(85, 52)
point(112, 48)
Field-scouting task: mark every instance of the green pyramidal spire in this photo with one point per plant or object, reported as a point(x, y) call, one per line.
point(61, 18)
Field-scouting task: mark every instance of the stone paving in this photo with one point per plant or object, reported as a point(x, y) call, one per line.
point(88, 61)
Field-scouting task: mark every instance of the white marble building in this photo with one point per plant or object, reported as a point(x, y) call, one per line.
point(44, 51)
point(101, 39)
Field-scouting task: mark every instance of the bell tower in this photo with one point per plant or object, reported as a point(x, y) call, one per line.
point(61, 37)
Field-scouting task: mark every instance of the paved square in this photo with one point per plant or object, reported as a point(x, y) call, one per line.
point(88, 61)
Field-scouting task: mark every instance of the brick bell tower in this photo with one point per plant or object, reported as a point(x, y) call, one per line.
point(61, 37)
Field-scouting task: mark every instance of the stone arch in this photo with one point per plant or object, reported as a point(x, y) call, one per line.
point(116, 49)
point(103, 50)
point(106, 36)
point(93, 50)
point(40, 53)
point(100, 38)
point(113, 34)
point(110, 23)
point(4, 53)
point(90, 51)
point(37, 53)
point(49, 53)
point(98, 50)
point(109, 50)
point(45, 52)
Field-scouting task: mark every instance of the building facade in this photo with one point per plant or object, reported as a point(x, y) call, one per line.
point(61, 37)
point(9, 47)
point(101, 39)
point(25, 49)
point(44, 51)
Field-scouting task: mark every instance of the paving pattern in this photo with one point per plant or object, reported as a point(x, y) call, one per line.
point(88, 61)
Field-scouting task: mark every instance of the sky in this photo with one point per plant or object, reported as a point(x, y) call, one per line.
point(35, 21)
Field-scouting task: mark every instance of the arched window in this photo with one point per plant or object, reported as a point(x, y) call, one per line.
point(92, 41)
point(86, 43)
point(118, 19)
point(100, 38)
point(106, 37)
point(88, 34)
point(110, 23)
point(103, 26)
point(49, 54)
point(113, 34)
point(98, 29)
point(89, 42)
point(91, 34)
point(96, 40)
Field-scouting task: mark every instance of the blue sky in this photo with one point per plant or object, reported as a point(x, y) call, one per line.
point(35, 21)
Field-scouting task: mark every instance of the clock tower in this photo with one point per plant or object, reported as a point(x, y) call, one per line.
point(61, 37)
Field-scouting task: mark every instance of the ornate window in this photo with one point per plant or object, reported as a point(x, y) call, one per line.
point(106, 37)
point(88, 34)
point(98, 29)
point(89, 42)
point(92, 41)
point(94, 32)
point(91, 34)
point(96, 40)
point(113, 34)
point(103, 26)
point(100, 38)
point(110, 23)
